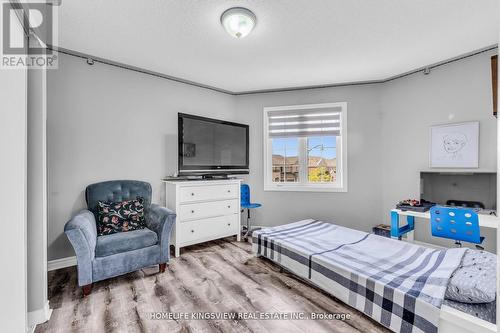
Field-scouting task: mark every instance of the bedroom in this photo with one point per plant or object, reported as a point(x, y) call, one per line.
point(386, 74)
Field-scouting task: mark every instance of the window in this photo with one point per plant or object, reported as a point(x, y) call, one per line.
point(305, 148)
point(285, 160)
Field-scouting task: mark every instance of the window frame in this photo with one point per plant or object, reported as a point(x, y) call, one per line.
point(303, 185)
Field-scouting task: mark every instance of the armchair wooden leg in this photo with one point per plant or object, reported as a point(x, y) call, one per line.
point(163, 267)
point(87, 289)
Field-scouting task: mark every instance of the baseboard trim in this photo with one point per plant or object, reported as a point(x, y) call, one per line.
point(61, 263)
point(52, 265)
point(38, 316)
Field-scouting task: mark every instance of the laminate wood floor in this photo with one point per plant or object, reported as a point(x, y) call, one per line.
point(218, 276)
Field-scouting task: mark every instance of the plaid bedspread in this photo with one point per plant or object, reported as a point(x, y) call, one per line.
point(399, 284)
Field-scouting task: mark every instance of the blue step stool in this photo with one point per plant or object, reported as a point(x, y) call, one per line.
point(396, 230)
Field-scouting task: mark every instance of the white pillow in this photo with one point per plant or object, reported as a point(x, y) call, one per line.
point(474, 281)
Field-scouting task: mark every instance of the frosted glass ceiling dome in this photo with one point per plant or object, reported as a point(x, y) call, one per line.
point(238, 21)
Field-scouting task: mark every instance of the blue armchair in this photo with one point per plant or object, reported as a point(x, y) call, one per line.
point(103, 257)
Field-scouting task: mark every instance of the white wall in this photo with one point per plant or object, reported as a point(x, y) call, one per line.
point(457, 92)
point(388, 138)
point(360, 206)
point(107, 123)
point(37, 197)
point(13, 85)
point(498, 187)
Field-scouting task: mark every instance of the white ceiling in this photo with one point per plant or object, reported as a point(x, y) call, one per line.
point(295, 43)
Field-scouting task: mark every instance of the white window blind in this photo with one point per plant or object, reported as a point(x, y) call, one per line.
point(305, 122)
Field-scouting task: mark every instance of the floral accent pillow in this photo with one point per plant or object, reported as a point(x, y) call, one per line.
point(113, 217)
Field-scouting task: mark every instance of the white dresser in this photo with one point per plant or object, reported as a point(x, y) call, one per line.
point(206, 210)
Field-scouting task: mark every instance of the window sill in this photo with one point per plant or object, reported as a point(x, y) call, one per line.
point(304, 188)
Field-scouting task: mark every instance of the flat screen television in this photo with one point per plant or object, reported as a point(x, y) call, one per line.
point(211, 146)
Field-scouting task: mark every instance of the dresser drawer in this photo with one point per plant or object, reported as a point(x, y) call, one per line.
point(210, 228)
point(208, 209)
point(210, 192)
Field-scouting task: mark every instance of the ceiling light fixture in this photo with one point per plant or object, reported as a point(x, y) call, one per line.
point(238, 21)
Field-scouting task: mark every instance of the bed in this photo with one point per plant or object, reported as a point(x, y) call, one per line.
point(399, 284)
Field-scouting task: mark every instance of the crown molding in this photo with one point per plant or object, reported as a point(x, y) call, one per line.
point(136, 69)
point(273, 90)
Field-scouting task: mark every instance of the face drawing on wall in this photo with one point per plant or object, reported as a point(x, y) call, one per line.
point(453, 143)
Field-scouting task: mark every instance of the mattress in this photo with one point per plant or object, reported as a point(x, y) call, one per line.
point(484, 311)
point(399, 284)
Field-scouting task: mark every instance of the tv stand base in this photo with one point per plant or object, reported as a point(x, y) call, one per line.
point(206, 210)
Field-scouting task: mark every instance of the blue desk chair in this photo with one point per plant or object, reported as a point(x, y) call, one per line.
point(459, 224)
point(246, 204)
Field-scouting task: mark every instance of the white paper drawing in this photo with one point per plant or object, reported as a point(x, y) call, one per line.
point(455, 145)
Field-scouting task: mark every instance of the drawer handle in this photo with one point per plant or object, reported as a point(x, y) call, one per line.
point(229, 224)
point(192, 194)
point(192, 212)
point(192, 230)
point(228, 191)
point(228, 206)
